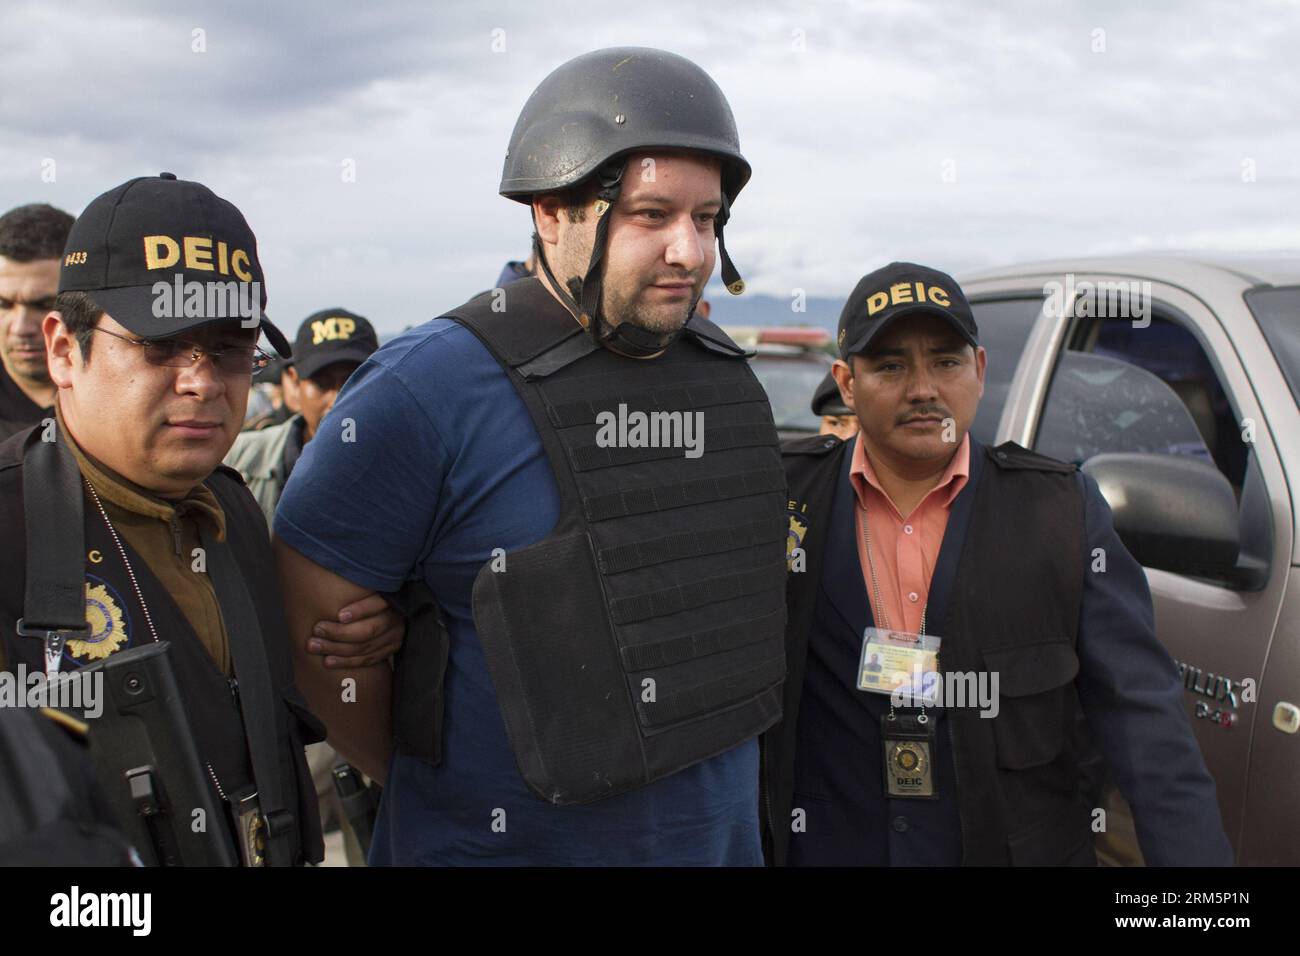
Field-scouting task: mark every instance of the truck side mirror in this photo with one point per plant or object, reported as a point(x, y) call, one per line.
point(1172, 513)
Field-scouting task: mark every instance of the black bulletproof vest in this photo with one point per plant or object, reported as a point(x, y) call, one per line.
point(1015, 612)
point(117, 621)
point(209, 696)
point(1014, 594)
point(645, 632)
point(839, 773)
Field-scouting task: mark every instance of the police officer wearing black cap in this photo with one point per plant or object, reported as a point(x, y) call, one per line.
point(614, 610)
point(837, 418)
point(330, 346)
point(949, 620)
point(136, 535)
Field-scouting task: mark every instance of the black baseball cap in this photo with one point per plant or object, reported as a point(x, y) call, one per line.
point(163, 229)
point(329, 336)
point(899, 289)
point(827, 400)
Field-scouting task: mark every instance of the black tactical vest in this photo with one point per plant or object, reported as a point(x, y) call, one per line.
point(118, 621)
point(644, 634)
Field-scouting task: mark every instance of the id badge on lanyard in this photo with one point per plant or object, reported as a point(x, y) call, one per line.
point(905, 667)
point(902, 665)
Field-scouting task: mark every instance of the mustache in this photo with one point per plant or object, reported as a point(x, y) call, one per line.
point(923, 411)
point(692, 279)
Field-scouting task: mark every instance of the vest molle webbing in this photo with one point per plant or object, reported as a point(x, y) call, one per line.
point(645, 633)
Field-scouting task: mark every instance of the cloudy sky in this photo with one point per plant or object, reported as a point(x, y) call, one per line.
point(958, 134)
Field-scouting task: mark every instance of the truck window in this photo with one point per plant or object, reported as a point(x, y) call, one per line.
point(1099, 404)
point(1278, 313)
point(790, 381)
point(1004, 326)
point(1171, 353)
point(1123, 388)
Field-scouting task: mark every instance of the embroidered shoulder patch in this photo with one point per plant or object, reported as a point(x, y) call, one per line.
point(107, 620)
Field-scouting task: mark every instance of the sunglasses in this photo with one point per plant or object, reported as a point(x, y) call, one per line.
point(180, 353)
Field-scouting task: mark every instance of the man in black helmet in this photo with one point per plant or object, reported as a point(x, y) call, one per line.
point(582, 472)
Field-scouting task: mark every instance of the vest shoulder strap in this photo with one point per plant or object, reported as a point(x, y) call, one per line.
point(529, 327)
point(815, 445)
point(13, 447)
point(226, 472)
point(710, 337)
point(1012, 457)
point(811, 464)
point(257, 698)
point(53, 514)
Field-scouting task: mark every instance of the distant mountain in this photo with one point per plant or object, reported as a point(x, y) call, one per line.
point(752, 309)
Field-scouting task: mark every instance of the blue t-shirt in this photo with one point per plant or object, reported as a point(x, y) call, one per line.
point(445, 465)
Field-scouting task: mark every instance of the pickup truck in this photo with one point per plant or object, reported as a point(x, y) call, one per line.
point(1175, 382)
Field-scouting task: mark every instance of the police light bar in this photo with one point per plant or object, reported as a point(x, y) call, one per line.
point(794, 336)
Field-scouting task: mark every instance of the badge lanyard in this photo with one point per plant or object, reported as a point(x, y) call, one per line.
point(881, 616)
point(908, 741)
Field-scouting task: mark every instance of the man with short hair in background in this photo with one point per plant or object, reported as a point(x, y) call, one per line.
point(31, 244)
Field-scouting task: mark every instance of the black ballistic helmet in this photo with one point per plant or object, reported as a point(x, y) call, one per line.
point(586, 118)
point(609, 103)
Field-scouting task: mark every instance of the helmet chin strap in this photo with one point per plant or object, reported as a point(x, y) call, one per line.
point(730, 277)
point(582, 296)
